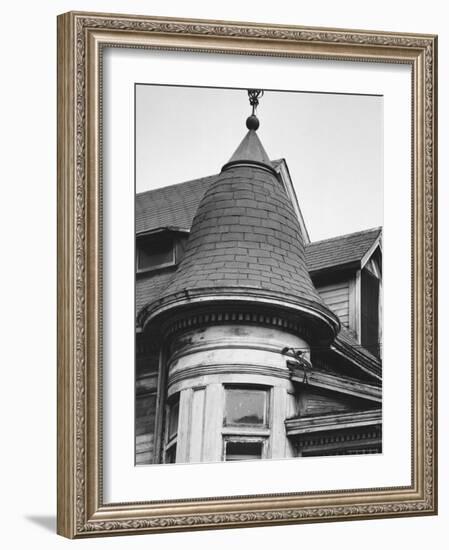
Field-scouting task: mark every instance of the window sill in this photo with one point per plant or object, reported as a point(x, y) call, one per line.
point(155, 269)
point(246, 430)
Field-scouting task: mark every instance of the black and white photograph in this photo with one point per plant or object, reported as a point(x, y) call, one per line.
point(247, 284)
point(258, 274)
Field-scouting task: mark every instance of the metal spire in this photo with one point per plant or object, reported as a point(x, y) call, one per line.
point(252, 122)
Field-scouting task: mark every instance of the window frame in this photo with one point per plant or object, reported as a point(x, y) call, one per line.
point(170, 441)
point(248, 432)
point(263, 440)
point(153, 237)
point(245, 426)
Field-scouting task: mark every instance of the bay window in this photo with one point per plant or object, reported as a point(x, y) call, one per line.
point(246, 422)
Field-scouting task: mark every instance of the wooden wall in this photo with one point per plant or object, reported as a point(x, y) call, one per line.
point(336, 297)
point(316, 402)
point(145, 418)
point(147, 366)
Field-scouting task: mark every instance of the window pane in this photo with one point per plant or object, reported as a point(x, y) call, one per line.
point(170, 455)
point(243, 450)
point(245, 407)
point(154, 252)
point(173, 420)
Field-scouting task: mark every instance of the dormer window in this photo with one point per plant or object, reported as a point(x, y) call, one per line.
point(155, 252)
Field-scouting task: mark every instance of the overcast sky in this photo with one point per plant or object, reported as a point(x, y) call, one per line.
point(333, 145)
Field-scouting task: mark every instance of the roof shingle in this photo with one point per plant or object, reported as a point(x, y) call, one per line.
point(245, 234)
point(176, 205)
point(246, 243)
point(150, 287)
point(342, 250)
point(172, 206)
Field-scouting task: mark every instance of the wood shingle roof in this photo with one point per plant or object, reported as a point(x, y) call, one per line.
point(245, 234)
point(176, 205)
point(172, 206)
point(339, 251)
point(246, 243)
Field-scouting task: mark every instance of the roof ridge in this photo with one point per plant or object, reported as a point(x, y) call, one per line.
point(364, 231)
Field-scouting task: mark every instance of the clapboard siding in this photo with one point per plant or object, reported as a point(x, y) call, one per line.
point(145, 417)
point(312, 402)
point(147, 366)
point(336, 297)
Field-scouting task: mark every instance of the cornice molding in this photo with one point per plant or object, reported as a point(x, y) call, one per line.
point(340, 384)
point(319, 323)
point(213, 369)
point(338, 421)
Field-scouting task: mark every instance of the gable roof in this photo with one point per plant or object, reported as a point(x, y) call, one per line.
point(339, 251)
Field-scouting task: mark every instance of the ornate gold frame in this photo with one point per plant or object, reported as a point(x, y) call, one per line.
point(81, 37)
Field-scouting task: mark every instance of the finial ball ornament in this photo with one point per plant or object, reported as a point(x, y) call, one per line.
point(252, 122)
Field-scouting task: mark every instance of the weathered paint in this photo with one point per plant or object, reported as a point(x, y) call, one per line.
point(203, 361)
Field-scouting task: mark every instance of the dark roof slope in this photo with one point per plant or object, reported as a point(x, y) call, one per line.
point(175, 206)
point(150, 287)
point(245, 234)
point(245, 243)
point(251, 149)
point(346, 344)
point(342, 250)
point(172, 206)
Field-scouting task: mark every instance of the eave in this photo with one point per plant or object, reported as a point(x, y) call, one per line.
point(336, 383)
point(338, 421)
point(370, 366)
point(163, 229)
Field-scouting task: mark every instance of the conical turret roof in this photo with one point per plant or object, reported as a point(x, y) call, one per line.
point(251, 150)
point(246, 245)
